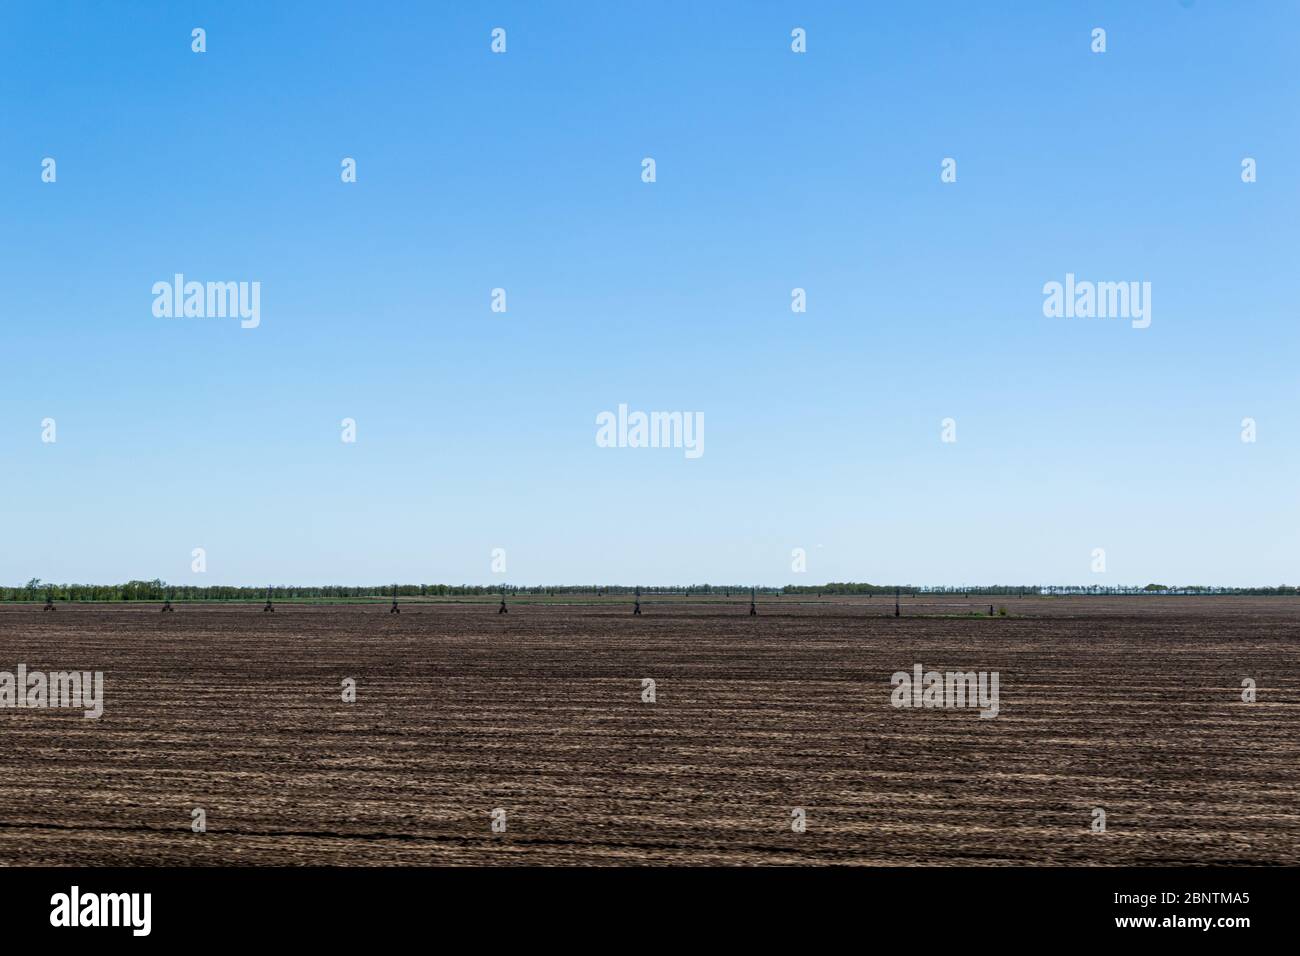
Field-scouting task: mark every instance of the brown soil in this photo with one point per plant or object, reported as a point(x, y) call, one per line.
point(1132, 705)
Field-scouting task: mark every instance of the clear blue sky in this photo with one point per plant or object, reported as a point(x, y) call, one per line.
point(476, 430)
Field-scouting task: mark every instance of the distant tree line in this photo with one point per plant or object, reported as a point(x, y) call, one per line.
point(157, 590)
point(851, 587)
point(1030, 589)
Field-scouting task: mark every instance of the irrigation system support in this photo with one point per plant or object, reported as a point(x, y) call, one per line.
point(167, 607)
point(636, 608)
point(753, 608)
point(394, 609)
point(269, 606)
point(502, 609)
point(896, 608)
point(49, 601)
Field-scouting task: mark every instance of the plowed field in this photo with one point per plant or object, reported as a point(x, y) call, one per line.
point(1130, 705)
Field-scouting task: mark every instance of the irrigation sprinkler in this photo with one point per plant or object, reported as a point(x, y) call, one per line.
point(269, 606)
point(394, 609)
point(503, 609)
point(636, 608)
point(49, 601)
point(753, 608)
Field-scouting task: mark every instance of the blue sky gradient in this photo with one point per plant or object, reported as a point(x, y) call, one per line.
point(774, 170)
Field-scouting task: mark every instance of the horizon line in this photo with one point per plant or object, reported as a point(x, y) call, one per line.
point(37, 584)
